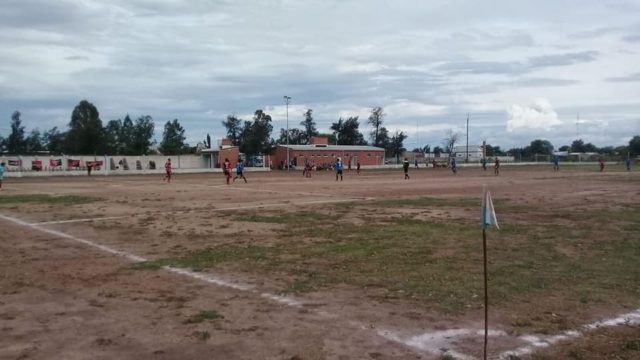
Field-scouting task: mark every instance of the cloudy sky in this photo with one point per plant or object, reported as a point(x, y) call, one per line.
point(522, 69)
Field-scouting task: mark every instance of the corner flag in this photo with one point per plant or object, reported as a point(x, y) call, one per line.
point(488, 215)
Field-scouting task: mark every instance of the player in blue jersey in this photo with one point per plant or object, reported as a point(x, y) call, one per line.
point(240, 172)
point(339, 167)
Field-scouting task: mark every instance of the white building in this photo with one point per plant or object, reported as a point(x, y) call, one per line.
point(475, 152)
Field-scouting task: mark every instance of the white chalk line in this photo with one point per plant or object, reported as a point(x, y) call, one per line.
point(77, 220)
point(537, 342)
point(244, 207)
point(438, 342)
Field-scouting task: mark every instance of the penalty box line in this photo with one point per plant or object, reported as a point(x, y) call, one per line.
point(245, 207)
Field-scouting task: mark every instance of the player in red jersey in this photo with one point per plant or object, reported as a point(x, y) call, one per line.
point(226, 168)
point(167, 169)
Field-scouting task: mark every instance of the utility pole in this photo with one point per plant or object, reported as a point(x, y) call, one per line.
point(467, 160)
point(286, 100)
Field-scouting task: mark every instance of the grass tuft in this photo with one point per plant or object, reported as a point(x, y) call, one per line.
point(204, 315)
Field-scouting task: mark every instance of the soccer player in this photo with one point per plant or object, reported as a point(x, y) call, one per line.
point(496, 167)
point(628, 163)
point(454, 167)
point(240, 172)
point(601, 163)
point(226, 168)
point(483, 161)
point(405, 167)
point(167, 169)
point(415, 162)
point(556, 163)
point(339, 168)
point(358, 167)
point(1, 174)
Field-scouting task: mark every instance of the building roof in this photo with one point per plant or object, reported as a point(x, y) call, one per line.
point(333, 147)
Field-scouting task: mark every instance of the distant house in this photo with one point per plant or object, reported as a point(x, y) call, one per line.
point(320, 152)
point(475, 152)
point(224, 150)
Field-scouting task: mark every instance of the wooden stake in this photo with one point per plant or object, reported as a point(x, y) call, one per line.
point(486, 293)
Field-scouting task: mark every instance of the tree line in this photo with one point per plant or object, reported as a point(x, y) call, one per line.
point(254, 137)
point(86, 134)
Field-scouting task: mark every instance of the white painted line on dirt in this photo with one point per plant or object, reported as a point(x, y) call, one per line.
point(282, 299)
point(78, 220)
point(537, 342)
point(438, 342)
point(207, 278)
point(107, 249)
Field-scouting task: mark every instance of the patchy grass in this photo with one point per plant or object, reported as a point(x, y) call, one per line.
point(209, 257)
point(204, 315)
point(293, 218)
point(427, 202)
point(47, 199)
point(439, 263)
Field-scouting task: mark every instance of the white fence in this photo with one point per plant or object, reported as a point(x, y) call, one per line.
point(71, 165)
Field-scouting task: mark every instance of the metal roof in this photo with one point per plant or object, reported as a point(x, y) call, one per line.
point(319, 147)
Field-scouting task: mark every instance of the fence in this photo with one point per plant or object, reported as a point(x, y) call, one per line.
point(70, 165)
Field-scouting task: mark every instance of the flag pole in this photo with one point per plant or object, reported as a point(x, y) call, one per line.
point(486, 292)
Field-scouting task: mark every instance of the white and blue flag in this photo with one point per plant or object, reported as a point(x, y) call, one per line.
point(488, 215)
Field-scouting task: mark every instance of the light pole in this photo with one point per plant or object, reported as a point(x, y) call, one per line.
point(286, 100)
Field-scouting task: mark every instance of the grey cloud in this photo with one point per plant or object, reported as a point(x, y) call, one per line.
point(634, 38)
point(629, 78)
point(77, 58)
point(538, 82)
point(563, 59)
point(517, 67)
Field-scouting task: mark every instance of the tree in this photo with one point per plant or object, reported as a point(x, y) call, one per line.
point(208, 141)
point(85, 135)
point(112, 132)
point(450, 140)
point(540, 147)
point(347, 132)
point(234, 131)
point(634, 146)
point(309, 126)
point(53, 141)
point(296, 137)
point(33, 143)
point(141, 135)
point(256, 135)
point(437, 150)
point(375, 120)
point(172, 138)
point(426, 149)
point(16, 143)
point(396, 147)
point(578, 146)
point(493, 151)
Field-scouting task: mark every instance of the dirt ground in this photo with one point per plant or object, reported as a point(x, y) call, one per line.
point(64, 298)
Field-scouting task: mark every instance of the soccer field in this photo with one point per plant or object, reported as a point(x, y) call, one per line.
point(287, 267)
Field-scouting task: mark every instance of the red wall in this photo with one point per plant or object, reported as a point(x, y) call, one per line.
point(365, 157)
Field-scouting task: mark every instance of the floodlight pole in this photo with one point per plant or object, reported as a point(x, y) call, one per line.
point(286, 100)
point(467, 160)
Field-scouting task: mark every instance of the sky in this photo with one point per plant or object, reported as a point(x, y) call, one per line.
point(522, 70)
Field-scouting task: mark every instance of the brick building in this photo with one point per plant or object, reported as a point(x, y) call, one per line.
point(224, 150)
point(320, 152)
